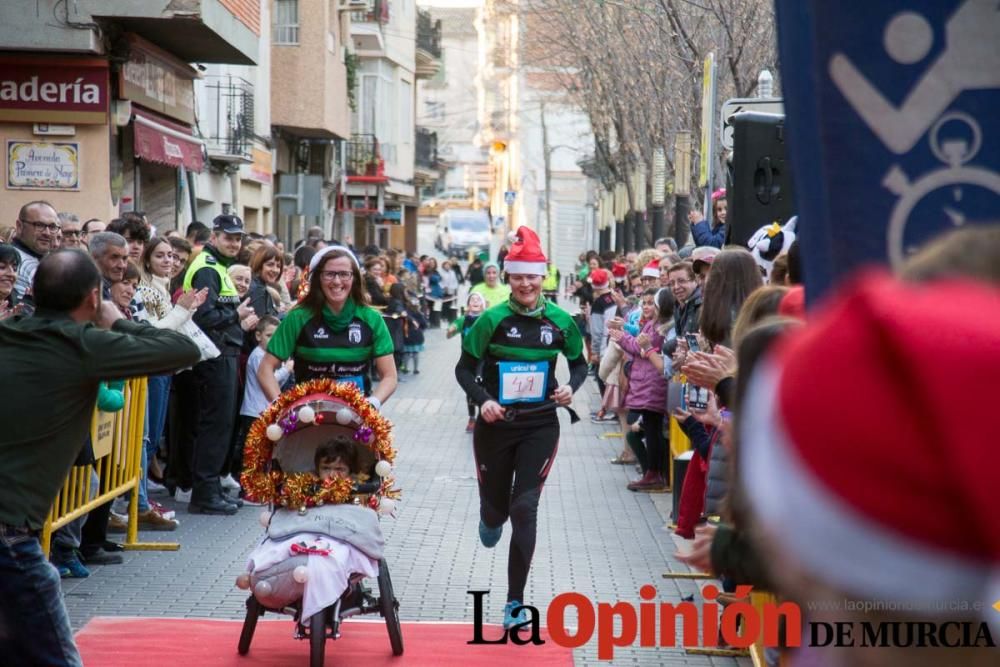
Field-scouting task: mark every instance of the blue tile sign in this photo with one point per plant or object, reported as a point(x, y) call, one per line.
point(893, 114)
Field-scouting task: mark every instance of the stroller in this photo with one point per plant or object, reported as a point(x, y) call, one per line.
point(323, 537)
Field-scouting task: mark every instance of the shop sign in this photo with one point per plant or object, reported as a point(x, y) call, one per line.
point(35, 165)
point(260, 169)
point(53, 91)
point(158, 81)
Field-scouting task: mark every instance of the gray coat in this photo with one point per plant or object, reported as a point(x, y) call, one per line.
point(717, 484)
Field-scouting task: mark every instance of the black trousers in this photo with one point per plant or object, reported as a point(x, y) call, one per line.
point(183, 420)
point(512, 463)
point(215, 381)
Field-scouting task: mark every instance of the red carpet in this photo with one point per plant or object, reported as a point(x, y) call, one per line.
point(112, 642)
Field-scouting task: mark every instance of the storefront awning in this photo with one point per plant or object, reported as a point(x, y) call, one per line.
point(166, 143)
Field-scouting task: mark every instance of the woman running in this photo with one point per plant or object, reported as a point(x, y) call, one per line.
point(508, 368)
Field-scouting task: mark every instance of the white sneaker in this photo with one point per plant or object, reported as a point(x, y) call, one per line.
point(155, 488)
point(229, 483)
point(182, 496)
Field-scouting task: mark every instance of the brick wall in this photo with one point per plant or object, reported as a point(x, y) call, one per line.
point(247, 11)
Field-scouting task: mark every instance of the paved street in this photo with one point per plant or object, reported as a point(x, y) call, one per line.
point(595, 537)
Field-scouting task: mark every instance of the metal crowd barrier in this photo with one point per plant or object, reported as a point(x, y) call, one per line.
point(117, 439)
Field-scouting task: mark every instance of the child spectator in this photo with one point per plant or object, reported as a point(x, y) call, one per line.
point(414, 337)
point(254, 402)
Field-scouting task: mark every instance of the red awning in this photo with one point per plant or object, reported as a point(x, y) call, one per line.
point(166, 143)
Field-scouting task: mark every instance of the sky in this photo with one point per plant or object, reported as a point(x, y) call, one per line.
point(449, 3)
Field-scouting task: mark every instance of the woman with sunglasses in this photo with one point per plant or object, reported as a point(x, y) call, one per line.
point(333, 332)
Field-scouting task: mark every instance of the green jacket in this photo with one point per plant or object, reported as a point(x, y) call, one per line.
point(52, 368)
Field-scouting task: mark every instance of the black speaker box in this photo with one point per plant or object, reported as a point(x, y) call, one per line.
point(760, 190)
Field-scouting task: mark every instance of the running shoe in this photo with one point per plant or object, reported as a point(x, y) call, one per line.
point(510, 619)
point(489, 536)
point(71, 568)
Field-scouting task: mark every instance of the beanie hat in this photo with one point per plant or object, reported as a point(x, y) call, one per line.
point(525, 256)
point(599, 278)
point(857, 458)
point(651, 270)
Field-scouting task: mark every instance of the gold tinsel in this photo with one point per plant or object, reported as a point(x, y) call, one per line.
point(299, 490)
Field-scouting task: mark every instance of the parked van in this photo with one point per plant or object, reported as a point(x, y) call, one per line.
point(459, 230)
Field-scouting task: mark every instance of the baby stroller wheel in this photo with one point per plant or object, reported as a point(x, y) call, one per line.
point(249, 625)
point(389, 608)
point(317, 638)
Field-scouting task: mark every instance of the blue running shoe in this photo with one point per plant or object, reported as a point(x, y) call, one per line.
point(72, 568)
point(510, 619)
point(489, 536)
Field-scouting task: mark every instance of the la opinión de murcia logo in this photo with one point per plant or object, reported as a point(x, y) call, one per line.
point(740, 625)
point(51, 92)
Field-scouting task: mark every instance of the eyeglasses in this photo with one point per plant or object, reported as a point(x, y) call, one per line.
point(679, 281)
point(72, 234)
point(329, 276)
point(47, 226)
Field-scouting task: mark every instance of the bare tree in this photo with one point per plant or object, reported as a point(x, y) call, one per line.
point(635, 67)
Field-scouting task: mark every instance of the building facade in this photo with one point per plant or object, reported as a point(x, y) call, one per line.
point(97, 101)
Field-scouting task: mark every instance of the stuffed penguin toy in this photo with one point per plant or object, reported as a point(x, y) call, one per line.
point(770, 241)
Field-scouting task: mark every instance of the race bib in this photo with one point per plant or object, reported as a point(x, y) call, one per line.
point(356, 380)
point(523, 381)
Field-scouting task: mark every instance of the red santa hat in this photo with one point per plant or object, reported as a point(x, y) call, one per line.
point(526, 256)
point(599, 278)
point(860, 453)
point(651, 270)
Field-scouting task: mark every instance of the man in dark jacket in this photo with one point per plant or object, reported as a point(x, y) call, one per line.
point(216, 379)
point(53, 362)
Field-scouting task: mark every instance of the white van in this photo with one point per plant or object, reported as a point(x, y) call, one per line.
point(460, 230)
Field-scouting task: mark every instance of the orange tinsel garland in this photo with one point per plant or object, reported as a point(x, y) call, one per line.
point(306, 489)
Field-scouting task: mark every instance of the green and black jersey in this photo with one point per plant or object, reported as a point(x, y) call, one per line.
point(322, 349)
point(516, 355)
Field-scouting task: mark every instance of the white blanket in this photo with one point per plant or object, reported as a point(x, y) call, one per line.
point(329, 574)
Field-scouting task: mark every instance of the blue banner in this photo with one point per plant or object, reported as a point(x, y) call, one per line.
point(893, 114)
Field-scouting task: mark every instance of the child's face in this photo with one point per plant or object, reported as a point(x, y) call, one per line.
point(263, 337)
point(329, 468)
point(474, 307)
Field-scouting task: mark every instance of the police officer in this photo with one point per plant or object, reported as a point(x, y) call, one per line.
point(215, 380)
point(508, 368)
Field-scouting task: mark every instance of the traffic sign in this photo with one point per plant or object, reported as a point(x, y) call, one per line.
point(509, 197)
point(737, 105)
point(893, 126)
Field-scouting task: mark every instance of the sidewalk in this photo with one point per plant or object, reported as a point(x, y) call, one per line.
point(594, 536)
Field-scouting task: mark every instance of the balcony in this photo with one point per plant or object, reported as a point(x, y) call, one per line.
point(426, 166)
point(428, 45)
point(426, 149)
point(364, 160)
point(228, 123)
point(367, 22)
point(372, 11)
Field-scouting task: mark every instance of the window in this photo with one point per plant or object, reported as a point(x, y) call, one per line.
point(286, 21)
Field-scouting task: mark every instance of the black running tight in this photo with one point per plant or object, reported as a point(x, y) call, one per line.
point(512, 462)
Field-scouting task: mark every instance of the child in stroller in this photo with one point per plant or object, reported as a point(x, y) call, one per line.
point(329, 480)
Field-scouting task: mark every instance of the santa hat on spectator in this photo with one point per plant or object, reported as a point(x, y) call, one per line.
point(525, 256)
point(599, 278)
point(858, 451)
point(651, 270)
point(619, 271)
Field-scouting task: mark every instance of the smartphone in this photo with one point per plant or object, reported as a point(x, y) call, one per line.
point(692, 341)
point(697, 397)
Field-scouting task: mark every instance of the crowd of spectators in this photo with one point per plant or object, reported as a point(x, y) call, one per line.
point(226, 290)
